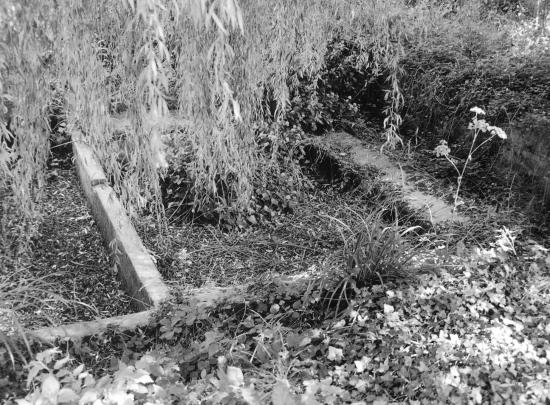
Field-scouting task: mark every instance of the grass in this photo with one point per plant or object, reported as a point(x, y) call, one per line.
point(374, 254)
point(306, 240)
point(22, 298)
point(27, 300)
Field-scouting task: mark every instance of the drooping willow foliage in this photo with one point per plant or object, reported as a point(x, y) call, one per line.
point(24, 90)
point(214, 60)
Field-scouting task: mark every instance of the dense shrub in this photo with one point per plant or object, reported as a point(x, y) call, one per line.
point(343, 94)
point(441, 90)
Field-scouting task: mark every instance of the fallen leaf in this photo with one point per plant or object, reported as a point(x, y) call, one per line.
point(281, 394)
point(50, 387)
point(360, 365)
point(235, 376)
point(334, 354)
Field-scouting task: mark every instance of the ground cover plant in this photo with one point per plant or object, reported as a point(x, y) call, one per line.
point(450, 337)
point(318, 284)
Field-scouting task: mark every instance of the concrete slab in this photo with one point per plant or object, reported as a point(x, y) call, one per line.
point(89, 170)
point(138, 272)
point(431, 207)
point(79, 330)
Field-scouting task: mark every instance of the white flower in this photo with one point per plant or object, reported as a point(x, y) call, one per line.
point(442, 149)
point(478, 125)
point(497, 131)
point(482, 125)
point(477, 110)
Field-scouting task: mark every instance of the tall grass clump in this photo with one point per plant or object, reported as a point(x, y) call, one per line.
point(375, 252)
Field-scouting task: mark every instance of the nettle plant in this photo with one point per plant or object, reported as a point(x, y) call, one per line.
point(478, 126)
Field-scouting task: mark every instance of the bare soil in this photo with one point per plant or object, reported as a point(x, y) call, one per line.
point(68, 257)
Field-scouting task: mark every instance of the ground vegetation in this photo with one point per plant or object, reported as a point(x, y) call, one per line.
point(343, 293)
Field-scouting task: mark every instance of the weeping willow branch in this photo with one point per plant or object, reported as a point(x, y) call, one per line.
point(216, 58)
point(25, 45)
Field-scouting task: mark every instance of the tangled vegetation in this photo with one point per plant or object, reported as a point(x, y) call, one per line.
point(202, 110)
point(199, 58)
point(226, 69)
point(445, 338)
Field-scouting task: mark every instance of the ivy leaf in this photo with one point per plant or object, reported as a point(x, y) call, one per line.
point(210, 343)
point(120, 397)
point(35, 367)
point(143, 377)
point(67, 395)
point(334, 354)
point(60, 363)
point(50, 387)
point(235, 376)
point(281, 394)
point(78, 370)
point(88, 396)
point(137, 388)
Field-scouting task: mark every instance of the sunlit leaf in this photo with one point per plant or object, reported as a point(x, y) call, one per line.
point(334, 354)
point(67, 395)
point(281, 394)
point(50, 386)
point(235, 376)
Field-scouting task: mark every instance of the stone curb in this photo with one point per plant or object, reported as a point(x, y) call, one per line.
point(429, 208)
point(79, 330)
point(137, 270)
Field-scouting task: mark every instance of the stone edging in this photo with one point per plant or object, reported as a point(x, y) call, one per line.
point(137, 270)
point(430, 208)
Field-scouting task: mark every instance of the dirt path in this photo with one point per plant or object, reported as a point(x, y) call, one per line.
point(433, 208)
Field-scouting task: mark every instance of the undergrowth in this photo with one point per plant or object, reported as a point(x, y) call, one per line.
point(364, 326)
point(233, 70)
point(461, 335)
